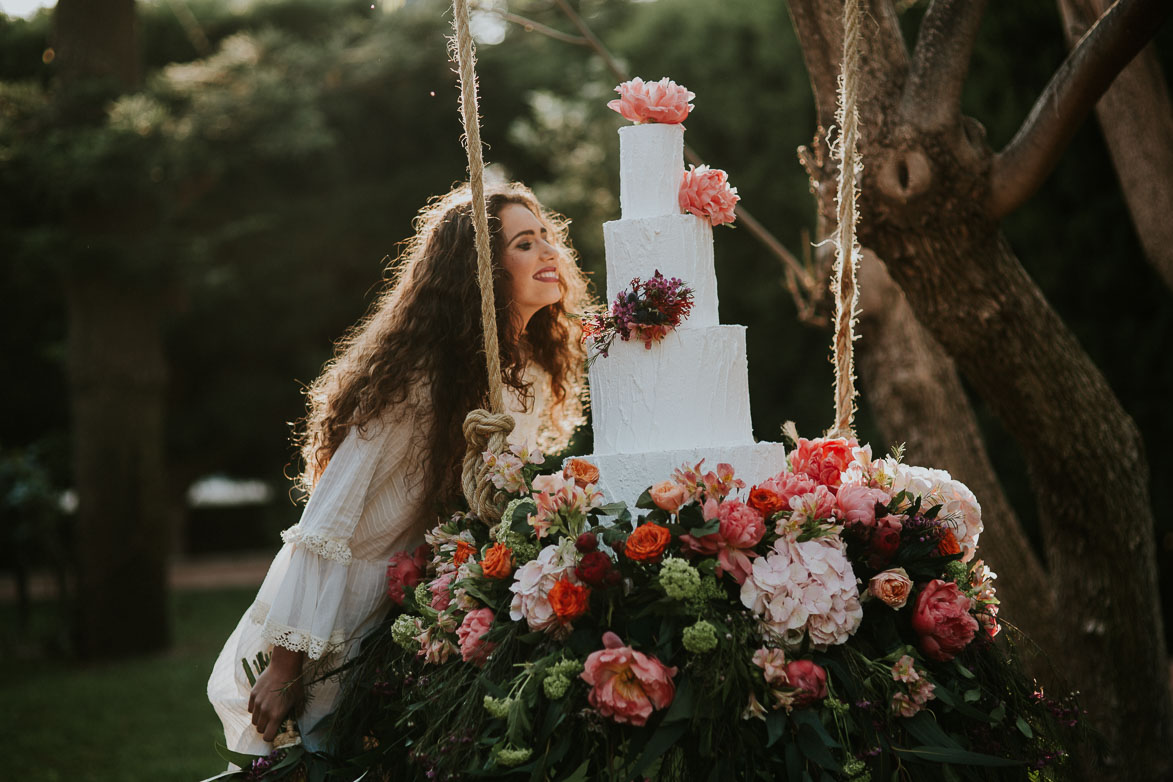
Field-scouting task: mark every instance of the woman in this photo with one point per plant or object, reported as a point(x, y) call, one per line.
point(382, 444)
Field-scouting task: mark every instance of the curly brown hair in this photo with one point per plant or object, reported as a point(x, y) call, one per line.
point(422, 344)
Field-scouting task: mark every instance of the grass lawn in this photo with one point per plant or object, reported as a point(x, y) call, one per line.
point(134, 721)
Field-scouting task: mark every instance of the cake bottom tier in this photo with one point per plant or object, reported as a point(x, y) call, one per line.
point(623, 477)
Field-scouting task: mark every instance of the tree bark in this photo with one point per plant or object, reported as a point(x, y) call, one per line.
point(116, 365)
point(1136, 117)
point(923, 210)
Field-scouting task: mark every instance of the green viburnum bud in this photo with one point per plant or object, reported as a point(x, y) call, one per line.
point(497, 707)
point(555, 686)
point(404, 631)
point(958, 572)
point(708, 590)
point(507, 516)
point(423, 597)
point(700, 638)
point(854, 766)
point(679, 579)
point(837, 706)
point(513, 756)
point(566, 667)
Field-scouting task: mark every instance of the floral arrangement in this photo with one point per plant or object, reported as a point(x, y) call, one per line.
point(646, 311)
point(705, 192)
point(831, 622)
point(662, 101)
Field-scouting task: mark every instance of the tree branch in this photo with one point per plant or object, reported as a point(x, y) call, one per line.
point(1020, 169)
point(940, 62)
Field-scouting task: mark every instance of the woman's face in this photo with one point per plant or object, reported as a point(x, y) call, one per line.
point(532, 262)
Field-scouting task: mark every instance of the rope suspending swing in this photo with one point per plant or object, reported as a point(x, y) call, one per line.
point(484, 430)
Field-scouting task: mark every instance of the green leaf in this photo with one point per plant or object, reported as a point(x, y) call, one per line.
point(961, 669)
point(681, 708)
point(239, 758)
point(645, 500)
point(973, 696)
point(613, 508)
point(707, 528)
point(794, 764)
point(955, 755)
point(1024, 728)
point(580, 774)
point(999, 713)
point(813, 747)
point(660, 742)
point(775, 726)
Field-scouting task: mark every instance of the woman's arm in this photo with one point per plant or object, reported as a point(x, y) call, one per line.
point(278, 691)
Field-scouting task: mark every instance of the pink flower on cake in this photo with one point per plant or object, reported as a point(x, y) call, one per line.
point(857, 504)
point(473, 646)
point(824, 459)
point(705, 192)
point(627, 685)
point(404, 570)
point(942, 620)
point(662, 101)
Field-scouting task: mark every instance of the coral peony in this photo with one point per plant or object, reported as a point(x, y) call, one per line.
point(569, 600)
point(582, 472)
point(857, 504)
point(669, 495)
point(942, 620)
point(662, 101)
point(404, 570)
point(705, 192)
point(824, 459)
point(627, 685)
point(473, 646)
point(892, 587)
point(647, 542)
point(498, 561)
point(808, 679)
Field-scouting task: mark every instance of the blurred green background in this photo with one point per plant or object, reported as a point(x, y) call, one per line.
point(285, 146)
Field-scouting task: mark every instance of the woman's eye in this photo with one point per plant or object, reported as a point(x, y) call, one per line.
point(524, 245)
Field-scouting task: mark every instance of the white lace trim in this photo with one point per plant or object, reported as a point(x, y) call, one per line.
point(291, 637)
point(336, 549)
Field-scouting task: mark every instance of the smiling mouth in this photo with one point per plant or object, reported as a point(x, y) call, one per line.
point(549, 274)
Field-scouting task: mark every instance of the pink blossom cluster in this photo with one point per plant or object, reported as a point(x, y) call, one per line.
point(505, 469)
point(705, 192)
point(662, 101)
point(561, 503)
point(532, 584)
point(982, 588)
point(703, 486)
point(918, 690)
point(805, 589)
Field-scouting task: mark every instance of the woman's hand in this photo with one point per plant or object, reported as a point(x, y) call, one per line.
point(277, 693)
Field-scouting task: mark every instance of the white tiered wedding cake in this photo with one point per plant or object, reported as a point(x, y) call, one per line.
point(687, 397)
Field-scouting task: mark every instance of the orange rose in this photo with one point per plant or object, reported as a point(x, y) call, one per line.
point(647, 542)
point(498, 561)
point(948, 544)
point(582, 471)
point(464, 550)
point(569, 600)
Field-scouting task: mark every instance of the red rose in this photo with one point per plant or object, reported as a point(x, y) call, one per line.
point(882, 545)
point(404, 571)
point(595, 569)
point(808, 679)
point(942, 620)
point(586, 542)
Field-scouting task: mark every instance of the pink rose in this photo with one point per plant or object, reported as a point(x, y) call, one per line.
point(441, 596)
point(473, 646)
point(942, 620)
point(824, 459)
point(705, 192)
point(662, 101)
point(627, 685)
point(857, 504)
point(404, 570)
point(809, 679)
point(741, 528)
point(669, 495)
point(892, 587)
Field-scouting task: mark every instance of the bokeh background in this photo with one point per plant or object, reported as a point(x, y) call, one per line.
point(283, 147)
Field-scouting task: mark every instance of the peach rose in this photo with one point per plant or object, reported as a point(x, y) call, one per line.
point(942, 620)
point(498, 561)
point(473, 648)
point(662, 101)
point(569, 600)
point(705, 192)
point(582, 472)
point(892, 587)
point(626, 685)
point(647, 542)
point(669, 495)
point(824, 459)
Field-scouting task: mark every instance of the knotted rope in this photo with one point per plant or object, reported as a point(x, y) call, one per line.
point(847, 247)
point(484, 430)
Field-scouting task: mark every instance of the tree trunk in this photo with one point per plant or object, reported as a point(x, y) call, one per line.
point(116, 365)
point(1136, 117)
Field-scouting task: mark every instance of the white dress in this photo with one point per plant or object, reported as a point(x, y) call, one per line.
point(327, 585)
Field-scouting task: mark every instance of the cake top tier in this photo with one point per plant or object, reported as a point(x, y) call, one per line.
point(651, 166)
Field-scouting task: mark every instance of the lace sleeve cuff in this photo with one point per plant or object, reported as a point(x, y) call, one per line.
point(334, 549)
point(292, 638)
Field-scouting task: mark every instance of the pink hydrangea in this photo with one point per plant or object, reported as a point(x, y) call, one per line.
point(805, 589)
point(705, 192)
point(627, 685)
point(532, 583)
point(473, 646)
point(662, 101)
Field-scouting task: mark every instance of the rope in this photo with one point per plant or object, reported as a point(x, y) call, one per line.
point(483, 429)
point(847, 247)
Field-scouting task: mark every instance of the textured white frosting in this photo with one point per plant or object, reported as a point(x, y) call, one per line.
point(678, 245)
point(650, 169)
point(689, 389)
point(623, 477)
